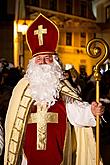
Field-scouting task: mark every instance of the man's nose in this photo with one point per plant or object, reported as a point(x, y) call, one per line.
point(43, 61)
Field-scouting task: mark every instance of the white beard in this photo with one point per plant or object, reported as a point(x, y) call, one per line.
point(44, 81)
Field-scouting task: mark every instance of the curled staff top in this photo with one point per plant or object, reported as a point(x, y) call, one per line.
point(94, 49)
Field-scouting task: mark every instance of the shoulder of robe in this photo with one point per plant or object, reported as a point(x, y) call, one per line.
point(21, 84)
point(66, 89)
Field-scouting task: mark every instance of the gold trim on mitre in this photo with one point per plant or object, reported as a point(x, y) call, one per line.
point(43, 53)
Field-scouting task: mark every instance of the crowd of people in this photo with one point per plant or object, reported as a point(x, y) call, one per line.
point(87, 86)
point(9, 77)
point(48, 113)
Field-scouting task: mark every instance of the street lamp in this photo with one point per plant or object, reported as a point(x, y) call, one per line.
point(22, 28)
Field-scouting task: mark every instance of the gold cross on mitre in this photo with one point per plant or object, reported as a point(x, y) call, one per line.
point(40, 33)
point(42, 117)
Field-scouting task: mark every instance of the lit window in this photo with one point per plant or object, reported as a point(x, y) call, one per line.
point(82, 39)
point(69, 38)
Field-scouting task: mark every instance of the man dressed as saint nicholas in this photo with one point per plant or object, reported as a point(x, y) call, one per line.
point(47, 122)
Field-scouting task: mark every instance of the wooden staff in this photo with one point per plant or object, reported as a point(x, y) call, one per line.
point(95, 51)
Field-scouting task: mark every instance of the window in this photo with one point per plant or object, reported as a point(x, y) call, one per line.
point(108, 13)
point(69, 38)
point(82, 39)
point(69, 6)
point(91, 36)
point(32, 2)
point(94, 35)
point(83, 10)
point(83, 73)
point(82, 68)
point(53, 4)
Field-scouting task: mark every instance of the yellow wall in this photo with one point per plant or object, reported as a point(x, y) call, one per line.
point(70, 56)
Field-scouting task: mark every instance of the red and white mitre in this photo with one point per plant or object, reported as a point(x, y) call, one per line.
point(42, 36)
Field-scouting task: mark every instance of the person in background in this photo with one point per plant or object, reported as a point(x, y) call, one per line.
point(5, 95)
point(43, 106)
point(105, 124)
point(9, 76)
point(72, 76)
point(4, 64)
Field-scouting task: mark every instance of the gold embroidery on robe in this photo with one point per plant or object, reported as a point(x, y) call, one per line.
point(41, 118)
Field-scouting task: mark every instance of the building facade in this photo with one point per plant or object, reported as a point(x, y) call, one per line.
point(75, 20)
point(77, 25)
point(101, 9)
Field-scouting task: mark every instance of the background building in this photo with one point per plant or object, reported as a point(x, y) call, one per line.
point(77, 23)
point(77, 26)
point(101, 9)
point(6, 29)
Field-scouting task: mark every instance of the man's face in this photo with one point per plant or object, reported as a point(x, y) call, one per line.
point(43, 59)
point(44, 75)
